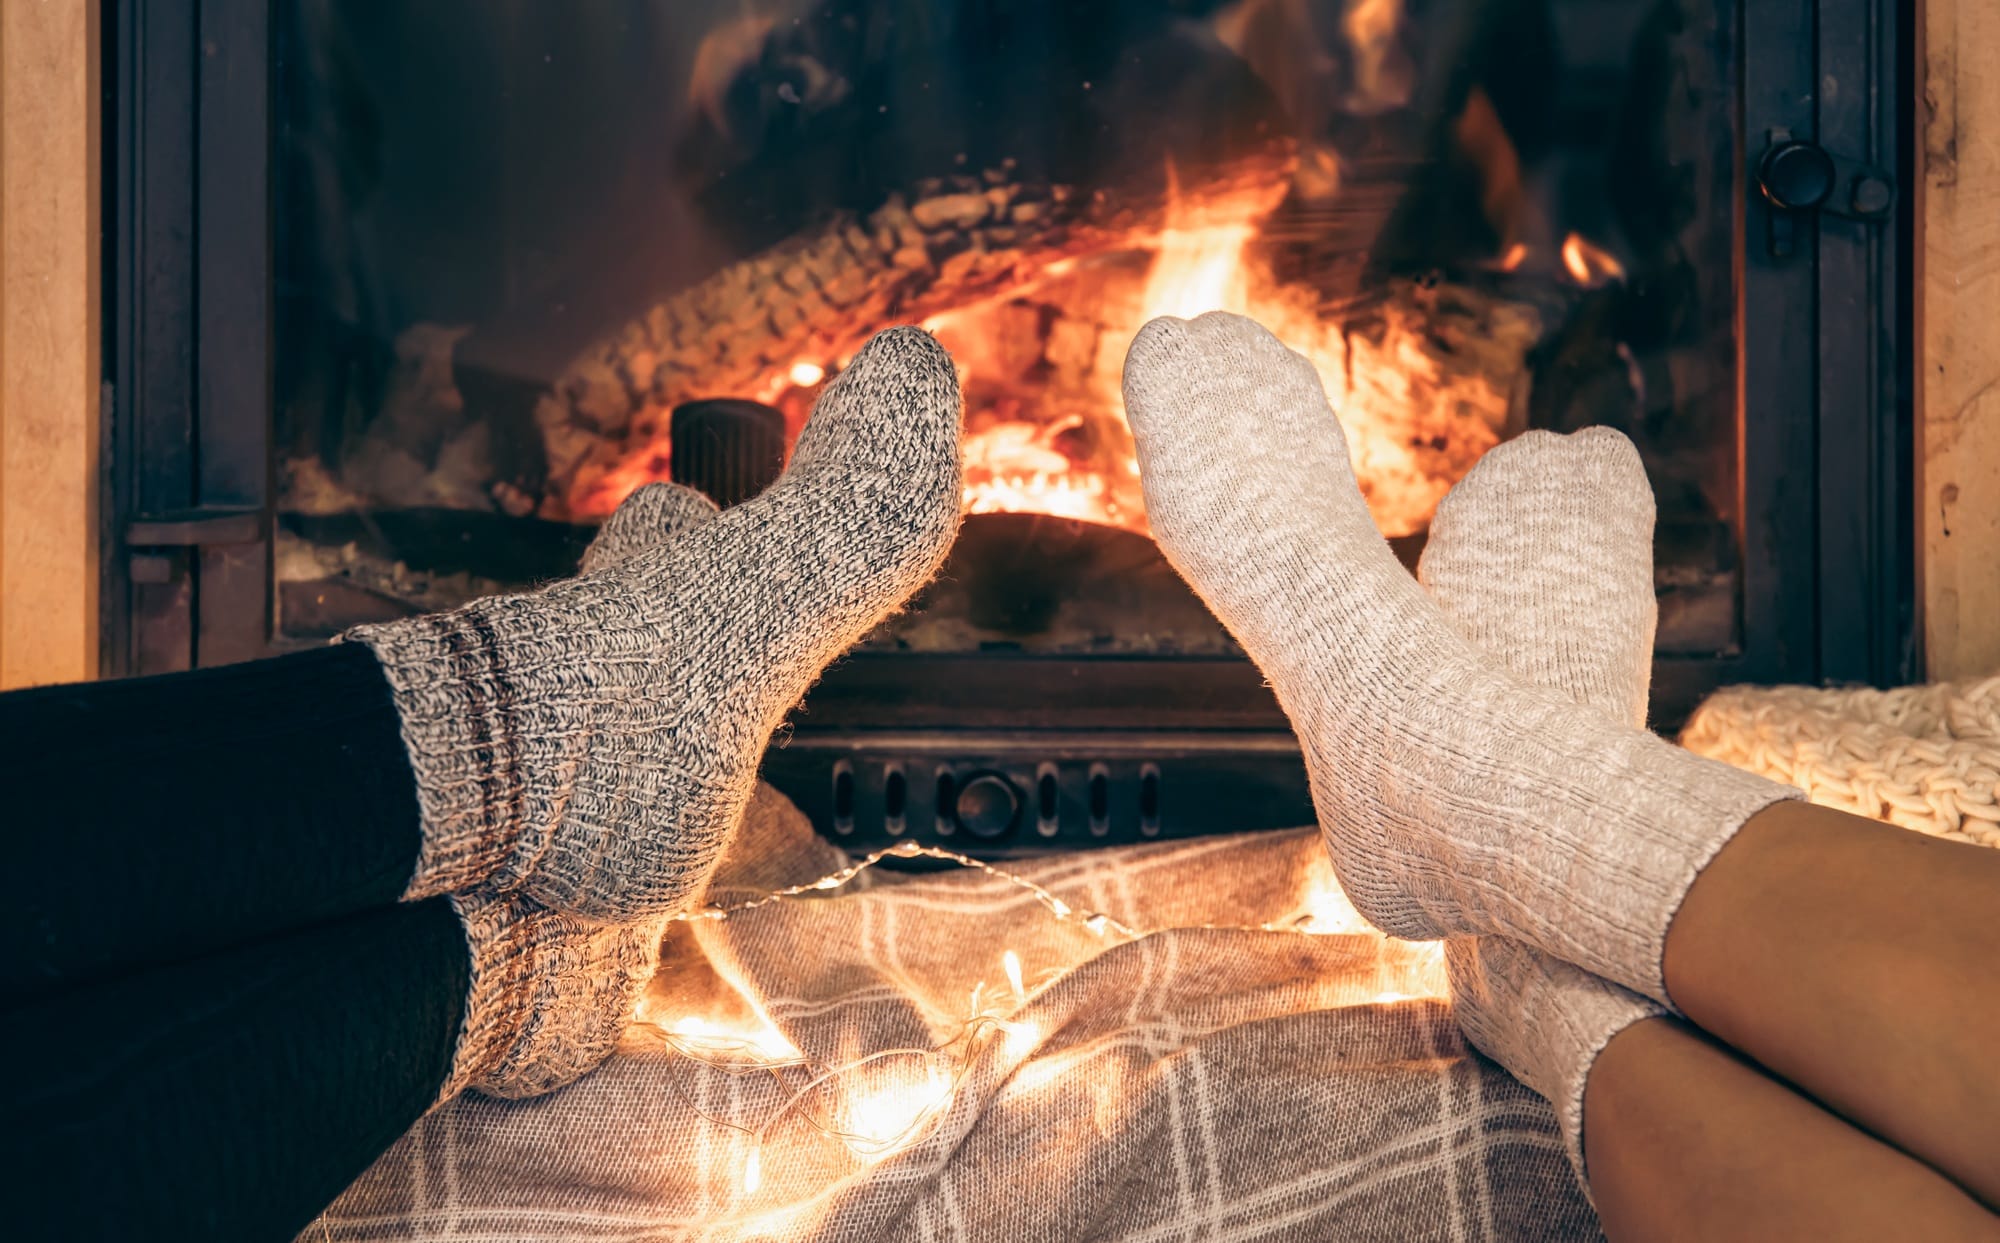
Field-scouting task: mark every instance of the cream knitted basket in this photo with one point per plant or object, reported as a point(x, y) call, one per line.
point(1923, 757)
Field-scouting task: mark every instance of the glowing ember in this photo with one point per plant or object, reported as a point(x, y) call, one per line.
point(1022, 457)
point(1017, 467)
point(1588, 265)
point(1041, 372)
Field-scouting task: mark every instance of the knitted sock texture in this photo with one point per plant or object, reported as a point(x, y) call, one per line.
point(551, 994)
point(1543, 556)
point(593, 744)
point(1455, 798)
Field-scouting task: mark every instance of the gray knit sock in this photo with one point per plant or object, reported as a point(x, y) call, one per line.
point(551, 994)
point(1454, 797)
point(1543, 557)
point(651, 517)
point(593, 744)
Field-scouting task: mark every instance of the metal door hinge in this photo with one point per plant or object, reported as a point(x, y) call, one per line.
point(196, 528)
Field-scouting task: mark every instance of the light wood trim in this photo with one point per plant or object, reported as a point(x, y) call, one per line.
point(1958, 335)
point(49, 334)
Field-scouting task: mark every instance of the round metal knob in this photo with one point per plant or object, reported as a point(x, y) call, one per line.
point(988, 805)
point(1796, 176)
point(1871, 196)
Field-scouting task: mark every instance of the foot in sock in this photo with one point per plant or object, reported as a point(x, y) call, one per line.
point(550, 994)
point(1542, 556)
point(1455, 798)
point(594, 743)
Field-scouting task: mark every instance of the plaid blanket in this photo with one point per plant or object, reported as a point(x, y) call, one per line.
point(941, 1056)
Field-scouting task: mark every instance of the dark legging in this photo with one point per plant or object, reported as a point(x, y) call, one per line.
point(218, 1012)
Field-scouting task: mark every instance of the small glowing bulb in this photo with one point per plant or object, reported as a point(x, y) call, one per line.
point(756, 1037)
point(753, 1172)
point(1012, 963)
point(885, 1118)
point(1020, 1038)
point(805, 374)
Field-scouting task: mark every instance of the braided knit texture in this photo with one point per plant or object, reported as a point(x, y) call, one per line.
point(1543, 556)
point(593, 744)
point(550, 993)
point(1922, 757)
point(1454, 797)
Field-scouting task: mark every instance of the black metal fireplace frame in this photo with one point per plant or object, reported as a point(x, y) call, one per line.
point(1823, 369)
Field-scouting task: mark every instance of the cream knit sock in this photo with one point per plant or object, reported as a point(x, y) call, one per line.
point(1543, 557)
point(593, 744)
point(1455, 798)
point(551, 994)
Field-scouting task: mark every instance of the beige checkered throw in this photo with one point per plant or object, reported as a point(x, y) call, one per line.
point(1211, 1080)
point(1199, 1082)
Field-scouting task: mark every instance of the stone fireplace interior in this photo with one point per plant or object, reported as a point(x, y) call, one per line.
point(463, 276)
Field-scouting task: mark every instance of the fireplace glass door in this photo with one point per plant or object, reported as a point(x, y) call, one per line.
point(404, 299)
point(522, 249)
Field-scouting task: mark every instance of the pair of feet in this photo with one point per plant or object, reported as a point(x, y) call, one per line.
point(583, 753)
point(1476, 744)
point(1474, 754)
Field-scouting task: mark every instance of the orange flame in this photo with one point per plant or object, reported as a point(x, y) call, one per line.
point(1059, 446)
point(1588, 265)
point(1203, 260)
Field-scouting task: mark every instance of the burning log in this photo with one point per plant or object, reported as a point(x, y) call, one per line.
point(1037, 291)
point(816, 298)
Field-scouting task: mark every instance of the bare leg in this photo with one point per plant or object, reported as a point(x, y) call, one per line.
point(1687, 1141)
point(1861, 963)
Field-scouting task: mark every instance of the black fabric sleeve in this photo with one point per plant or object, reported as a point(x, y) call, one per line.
point(150, 820)
point(235, 1096)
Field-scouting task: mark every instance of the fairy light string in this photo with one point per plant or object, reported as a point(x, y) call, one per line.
point(1094, 921)
point(945, 1064)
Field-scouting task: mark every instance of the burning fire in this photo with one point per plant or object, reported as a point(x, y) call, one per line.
point(1022, 457)
point(1041, 371)
point(1588, 265)
point(1016, 467)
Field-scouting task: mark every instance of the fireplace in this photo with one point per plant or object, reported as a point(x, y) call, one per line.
point(404, 300)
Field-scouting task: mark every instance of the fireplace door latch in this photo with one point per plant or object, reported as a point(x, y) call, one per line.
point(1797, 176)
point(194, 528)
